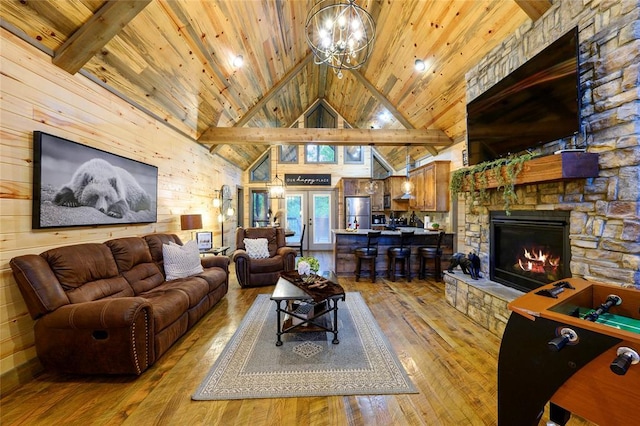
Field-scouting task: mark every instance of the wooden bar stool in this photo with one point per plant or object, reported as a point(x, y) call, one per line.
point(370, 252)
point(402, 253)
point(434, 254)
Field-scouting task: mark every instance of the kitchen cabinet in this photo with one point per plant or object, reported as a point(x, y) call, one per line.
point(392, 187)
point(431, 187)
point(358, 187)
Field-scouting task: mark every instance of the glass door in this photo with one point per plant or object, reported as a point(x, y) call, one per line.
point(316, 210)
point(297, 217)
point(321, 218)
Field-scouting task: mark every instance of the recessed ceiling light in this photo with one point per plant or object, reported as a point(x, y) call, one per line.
point(420, 65)
point(238, 61)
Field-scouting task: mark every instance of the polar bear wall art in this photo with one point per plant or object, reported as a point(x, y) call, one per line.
point(107, 188)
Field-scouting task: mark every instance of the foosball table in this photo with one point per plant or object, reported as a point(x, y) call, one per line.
point(576, 344)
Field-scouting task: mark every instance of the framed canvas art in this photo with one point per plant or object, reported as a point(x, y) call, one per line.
point(77, 185)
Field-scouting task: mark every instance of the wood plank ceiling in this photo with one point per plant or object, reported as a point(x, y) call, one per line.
point(172, 58)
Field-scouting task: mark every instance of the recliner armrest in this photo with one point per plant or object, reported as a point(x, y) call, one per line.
point(216, 261)
point(107, 336)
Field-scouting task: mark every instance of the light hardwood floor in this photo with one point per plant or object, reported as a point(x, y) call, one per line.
point(449, 358)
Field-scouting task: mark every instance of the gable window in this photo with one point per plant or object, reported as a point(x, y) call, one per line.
point(261, 171)
point(319, 154)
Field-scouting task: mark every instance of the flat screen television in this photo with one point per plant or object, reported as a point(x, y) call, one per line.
point(537, 103)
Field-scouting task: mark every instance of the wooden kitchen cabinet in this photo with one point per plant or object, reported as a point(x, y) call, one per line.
point(431, 186)
point(392, 187)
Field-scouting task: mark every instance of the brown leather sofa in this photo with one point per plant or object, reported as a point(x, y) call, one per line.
point(265, 271)
point(107, 308)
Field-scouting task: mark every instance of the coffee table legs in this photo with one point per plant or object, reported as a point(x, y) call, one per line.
point(332, 305)
point(335, 340)
point(279, 321)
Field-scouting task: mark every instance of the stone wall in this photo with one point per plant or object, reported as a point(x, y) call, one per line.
point(605, 226)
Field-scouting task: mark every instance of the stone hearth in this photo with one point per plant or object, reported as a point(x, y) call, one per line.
point(482, 300)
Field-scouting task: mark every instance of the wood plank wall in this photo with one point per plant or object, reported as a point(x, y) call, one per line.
point(38, 96)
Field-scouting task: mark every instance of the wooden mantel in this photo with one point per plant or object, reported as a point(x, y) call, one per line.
point(564, 165)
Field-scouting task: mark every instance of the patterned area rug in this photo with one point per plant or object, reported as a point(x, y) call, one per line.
point(307, 364)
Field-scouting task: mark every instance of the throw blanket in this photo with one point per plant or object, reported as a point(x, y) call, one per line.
point(319, 288)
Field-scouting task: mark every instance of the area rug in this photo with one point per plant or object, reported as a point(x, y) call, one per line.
point(307, 364)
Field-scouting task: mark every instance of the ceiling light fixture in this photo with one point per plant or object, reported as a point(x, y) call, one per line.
point(407, 185)
point(238, 61)
point(420, 65)
point(276, 186)
point(340, 34)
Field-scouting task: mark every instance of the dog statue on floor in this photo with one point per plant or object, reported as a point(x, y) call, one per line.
point(469, 264)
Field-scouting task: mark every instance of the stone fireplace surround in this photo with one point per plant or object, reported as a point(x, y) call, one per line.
point(604, 223)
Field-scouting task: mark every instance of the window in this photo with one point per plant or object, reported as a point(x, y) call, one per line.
point(260, 212)
point(353, 155)
point(380, 169)
point(319, 154)
point(288, 154)
point(261, 172)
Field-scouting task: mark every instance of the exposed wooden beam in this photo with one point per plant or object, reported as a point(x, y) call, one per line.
point(534, 8)
point(322, 80)
point(87, 41)
point(388, 105)
point(341, 137)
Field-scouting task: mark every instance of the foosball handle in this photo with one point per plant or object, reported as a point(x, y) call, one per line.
point(566, 335)
point(626, 357)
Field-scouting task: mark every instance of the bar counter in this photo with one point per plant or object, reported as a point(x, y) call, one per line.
point(344, 242)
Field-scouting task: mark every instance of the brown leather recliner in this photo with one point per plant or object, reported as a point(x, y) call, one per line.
point(266, 271)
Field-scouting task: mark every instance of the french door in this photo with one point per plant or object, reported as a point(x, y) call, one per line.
point(316, 210)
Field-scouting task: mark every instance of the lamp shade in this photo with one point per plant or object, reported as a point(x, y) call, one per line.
point(190, 221)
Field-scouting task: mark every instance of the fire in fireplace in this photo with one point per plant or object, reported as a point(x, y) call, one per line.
point(529, 248)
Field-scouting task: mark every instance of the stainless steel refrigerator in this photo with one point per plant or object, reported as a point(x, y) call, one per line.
point(358, 208)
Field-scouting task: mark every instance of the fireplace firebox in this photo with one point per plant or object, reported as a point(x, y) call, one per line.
point(529, 249)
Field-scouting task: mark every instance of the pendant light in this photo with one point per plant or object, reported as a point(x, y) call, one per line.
point(407, 185)
point(276, 186)
point(372, 186)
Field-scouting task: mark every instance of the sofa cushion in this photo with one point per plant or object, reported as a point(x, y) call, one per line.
point(270, 264)
point(181, 261)
point(155, 243)
point(215, 277)
point(195, 288)
point(168, 305)
point(87, 272)
point(134, 261)
point(257, 248)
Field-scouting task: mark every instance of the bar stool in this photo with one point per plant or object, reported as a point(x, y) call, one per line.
point(370, 252)
point(434, 253)
point(403, 253)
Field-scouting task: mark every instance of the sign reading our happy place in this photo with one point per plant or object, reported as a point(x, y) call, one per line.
point(307, 179)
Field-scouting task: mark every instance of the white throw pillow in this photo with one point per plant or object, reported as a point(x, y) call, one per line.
point(257, 248)
point(181, 261)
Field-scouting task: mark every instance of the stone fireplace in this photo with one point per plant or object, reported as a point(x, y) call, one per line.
point(603, 211)
point(529, 248)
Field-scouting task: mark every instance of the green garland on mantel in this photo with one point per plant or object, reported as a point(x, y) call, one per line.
point(479, 174)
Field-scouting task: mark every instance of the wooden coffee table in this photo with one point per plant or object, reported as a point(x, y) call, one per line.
point(318, 318)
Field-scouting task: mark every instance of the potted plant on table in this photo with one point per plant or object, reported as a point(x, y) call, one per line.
point(307, 267)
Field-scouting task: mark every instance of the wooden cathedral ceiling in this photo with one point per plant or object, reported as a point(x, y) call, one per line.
point(172, 58)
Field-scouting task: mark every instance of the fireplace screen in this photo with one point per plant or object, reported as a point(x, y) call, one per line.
point(529, 249)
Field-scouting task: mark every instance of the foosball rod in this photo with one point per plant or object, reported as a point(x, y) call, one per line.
point(612, 300)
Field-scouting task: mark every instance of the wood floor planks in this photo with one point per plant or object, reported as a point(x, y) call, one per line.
point(451, 360)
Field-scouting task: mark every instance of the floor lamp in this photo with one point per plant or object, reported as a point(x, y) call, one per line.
point(222, 202)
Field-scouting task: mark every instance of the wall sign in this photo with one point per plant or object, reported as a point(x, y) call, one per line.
point(307, 179)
